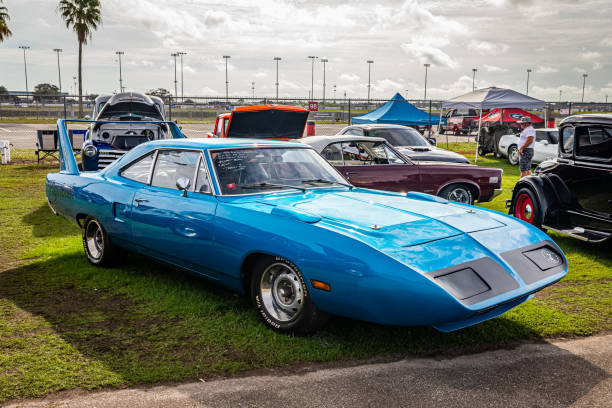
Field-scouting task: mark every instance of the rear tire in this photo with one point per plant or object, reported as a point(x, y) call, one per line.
point(99, 250)
point(460, 193)
point(282, 298)
point(527, 208)
point(513, 155)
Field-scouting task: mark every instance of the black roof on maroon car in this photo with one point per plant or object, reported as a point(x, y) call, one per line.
point(594, 118)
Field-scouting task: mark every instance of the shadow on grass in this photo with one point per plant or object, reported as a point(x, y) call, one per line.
point(147, 323)
point(45, 224)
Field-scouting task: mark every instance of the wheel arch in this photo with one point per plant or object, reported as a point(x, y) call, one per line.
point(541, 191)
point(246, 268)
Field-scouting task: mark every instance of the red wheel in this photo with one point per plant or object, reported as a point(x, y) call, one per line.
point(527, 208)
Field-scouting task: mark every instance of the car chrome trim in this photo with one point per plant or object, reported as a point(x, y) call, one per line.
point(497, 192)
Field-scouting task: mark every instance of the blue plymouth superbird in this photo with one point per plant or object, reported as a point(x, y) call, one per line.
point(274, 220)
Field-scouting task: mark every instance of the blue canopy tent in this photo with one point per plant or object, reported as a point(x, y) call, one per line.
point(398, 111)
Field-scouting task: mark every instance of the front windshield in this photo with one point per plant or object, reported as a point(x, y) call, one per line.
point(400, 137)
point(252, 170)
point(554, 136)
point(123, 109)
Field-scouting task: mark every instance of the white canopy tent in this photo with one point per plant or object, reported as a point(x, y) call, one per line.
point(491, 98)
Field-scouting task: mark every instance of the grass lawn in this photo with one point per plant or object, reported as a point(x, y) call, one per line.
point(65, 324)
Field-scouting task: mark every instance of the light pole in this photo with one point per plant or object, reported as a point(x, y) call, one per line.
point(75, 86)
point(324, 60)
point(277, 59)
point(312, 58)
point(181, 53)
point(119, 54)
point(528, 72)
point(370, 62)
point(59, 72)
point(226, 57)
point(606, 99)
point(253, 89)
point(584, 77)
point(335, 94)
point(560, 92)
point(426, 66)
point(175, 54)
point(474, 79)
point(25, 66)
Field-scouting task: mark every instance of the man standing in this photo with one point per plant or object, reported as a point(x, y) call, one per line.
point(526, 143)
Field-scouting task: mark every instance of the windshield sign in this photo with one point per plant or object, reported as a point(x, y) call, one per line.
point(252, 170)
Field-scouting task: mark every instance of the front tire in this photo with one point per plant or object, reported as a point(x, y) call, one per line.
point(459, 193)
point(527, 208)
point(282, 298)
point(513, 155)
point(99, 250)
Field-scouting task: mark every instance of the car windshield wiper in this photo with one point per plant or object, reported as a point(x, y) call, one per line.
point(259, 185)
point(326, 182)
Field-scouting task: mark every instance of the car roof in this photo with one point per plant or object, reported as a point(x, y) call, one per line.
point(378, 125)
point(216, 143)
point(595, 118)
point(320, 142)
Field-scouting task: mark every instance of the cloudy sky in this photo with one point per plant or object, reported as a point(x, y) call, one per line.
point(558, 39)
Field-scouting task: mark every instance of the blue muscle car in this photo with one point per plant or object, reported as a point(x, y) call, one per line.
point(274, 220)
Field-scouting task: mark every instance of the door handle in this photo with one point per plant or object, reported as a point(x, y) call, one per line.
point(350, 172)
point(141, 200)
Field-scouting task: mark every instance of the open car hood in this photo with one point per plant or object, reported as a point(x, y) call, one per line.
point(268, 122)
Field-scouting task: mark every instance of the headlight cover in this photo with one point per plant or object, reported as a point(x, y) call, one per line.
point(545, 258)
point(90, 150)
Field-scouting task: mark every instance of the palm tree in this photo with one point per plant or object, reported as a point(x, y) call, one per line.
point(83, 16)
point(4, 17)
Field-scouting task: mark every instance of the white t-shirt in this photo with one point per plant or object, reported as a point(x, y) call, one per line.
point(525, 133)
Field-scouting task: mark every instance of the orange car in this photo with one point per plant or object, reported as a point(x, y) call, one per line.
point(280, 122)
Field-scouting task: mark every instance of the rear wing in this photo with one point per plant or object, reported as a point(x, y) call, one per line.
point(68, 164)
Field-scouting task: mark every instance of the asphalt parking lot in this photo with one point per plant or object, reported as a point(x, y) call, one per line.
point(23, 135)
point(574, 373)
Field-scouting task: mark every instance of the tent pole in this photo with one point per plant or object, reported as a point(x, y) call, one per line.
point(478, 134)
point(545, 122)
point(440, 125)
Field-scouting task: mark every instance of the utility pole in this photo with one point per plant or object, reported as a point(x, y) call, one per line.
point(370, 62)
point(226, 57)
point(474, 79)
point(312, 58)
point(253, 89)
point(528, 72)
point(181, 53)
point(59, 72)
point(324, 60)
point(277, 59)
point(120, 53)
point(25, 67)
point(175, 54)
point(584, 77)
point(426, 66)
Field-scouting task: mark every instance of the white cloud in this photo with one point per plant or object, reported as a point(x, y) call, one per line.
point(260, 74)
point(349, 77)
point(493, 68)
point(542, 69)
point(590, 55)
point(487, 48)
point(428, 53)
point(606, 42)
point(597, 65)
point(579, 70)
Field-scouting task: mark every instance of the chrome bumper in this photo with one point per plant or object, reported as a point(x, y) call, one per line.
point(496, 192)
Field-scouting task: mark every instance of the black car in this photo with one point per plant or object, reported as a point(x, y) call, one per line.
point(572, 194)
point(408, 141)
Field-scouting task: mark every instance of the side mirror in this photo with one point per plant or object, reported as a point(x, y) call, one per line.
point(183, 183)
point(545, 142)
point(432, 141)
point(87, 117)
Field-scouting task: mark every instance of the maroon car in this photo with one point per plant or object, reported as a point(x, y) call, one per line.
point(371, 162)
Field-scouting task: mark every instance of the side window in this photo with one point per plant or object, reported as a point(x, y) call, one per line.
point(172, 165)
point(355, 154)
point(333, 154)
point(541, 136)
point(218, 127)
point(594, 142)
point(355, 132)
point(567, 140)
point(225, 123)
point(202, 180)
point(139, 170)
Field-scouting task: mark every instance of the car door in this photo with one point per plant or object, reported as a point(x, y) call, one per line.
point(375, 165)
point(172, 225)
point(541, 146)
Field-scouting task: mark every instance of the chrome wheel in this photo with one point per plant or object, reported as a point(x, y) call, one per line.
point(281, 292)
point(460, 195)
point(513, 155)
point(94, 238)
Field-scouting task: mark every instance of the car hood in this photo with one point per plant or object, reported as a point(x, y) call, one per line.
point(427, 153)
point(378, 218)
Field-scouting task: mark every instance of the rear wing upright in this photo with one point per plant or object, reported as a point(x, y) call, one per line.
point(68, 163)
